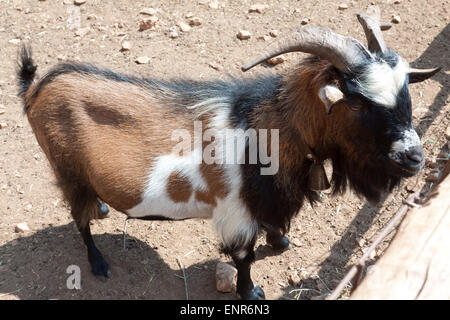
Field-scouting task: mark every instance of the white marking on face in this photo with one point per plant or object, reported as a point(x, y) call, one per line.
point(409, 140)
point(382, 83)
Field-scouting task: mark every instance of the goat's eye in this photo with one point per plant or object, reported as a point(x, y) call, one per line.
point(356, 107)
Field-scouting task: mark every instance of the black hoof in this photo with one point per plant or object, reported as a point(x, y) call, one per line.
point(256, 293)
point(103, 208)
point(100, 267)
point(279, 243)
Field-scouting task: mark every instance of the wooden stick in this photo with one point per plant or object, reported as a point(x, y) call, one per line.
point(354, 270)
point(184, 278)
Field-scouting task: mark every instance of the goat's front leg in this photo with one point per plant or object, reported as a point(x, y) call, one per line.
point(245, 288)
point(277, 240)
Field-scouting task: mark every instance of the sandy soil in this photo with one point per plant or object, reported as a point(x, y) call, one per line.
point(328, 239)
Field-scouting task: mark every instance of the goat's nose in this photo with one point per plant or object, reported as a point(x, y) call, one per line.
point(415, 154)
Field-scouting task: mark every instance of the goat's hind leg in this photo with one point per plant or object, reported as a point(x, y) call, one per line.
point(85, 207)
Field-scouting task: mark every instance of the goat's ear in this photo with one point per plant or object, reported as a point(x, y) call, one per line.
point(330, 94)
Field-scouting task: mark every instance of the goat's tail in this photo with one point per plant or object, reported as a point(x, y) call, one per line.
point(26, 70)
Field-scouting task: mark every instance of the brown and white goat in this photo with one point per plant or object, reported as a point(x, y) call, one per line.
point(111, 137)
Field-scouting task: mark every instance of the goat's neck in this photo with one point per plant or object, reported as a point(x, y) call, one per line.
point(300, 117)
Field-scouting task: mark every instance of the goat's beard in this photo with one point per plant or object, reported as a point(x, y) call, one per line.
point(368, 180)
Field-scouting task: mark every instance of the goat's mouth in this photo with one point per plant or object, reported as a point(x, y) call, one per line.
point(406, 167)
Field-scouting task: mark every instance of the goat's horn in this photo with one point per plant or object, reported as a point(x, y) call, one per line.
point(418, 75)
point(343, 52)
point(372, 28)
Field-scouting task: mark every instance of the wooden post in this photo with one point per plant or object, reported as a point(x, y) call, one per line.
point(417, 263)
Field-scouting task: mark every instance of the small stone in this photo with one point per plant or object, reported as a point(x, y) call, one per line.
point(28, 207)
point(297, 10)
point(343, 6)
point(294, 279)
point(447, 133)
point(126, 46)
point(81, 32)
point(396, 19)
point(22, 227)
point(244, 35)
point(195, 21)
point(184, 27)
point(372, 254)
point(173, 32)
point(148, 23)
point(92, 17)
point(148, 11)
point(143, 60)
point(225, 277)
point(304, 21)
point(79, 2)
point(397, 1)
point(3, 125)
point(263, 38)
point(276, 60)
point(2, 108)
point(296, 242)
point(14, 41)
point(213, 5)
point(258, 8)
point(188, 15)
point(274, 33)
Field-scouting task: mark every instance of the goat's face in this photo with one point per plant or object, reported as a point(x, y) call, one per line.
point(372, 118)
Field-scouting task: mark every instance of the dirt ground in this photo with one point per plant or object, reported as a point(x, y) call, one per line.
point(327, 239)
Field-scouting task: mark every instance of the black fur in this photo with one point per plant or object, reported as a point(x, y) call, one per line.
point(26, 71)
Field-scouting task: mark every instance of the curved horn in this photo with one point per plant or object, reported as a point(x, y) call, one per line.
point(344, 53)
point(372, 29)
point(419, 75)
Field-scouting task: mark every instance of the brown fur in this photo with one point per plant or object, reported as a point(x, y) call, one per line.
point(179, 188)
point(216, 184)
point(102, 135)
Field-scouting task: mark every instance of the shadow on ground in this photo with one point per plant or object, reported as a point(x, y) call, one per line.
point(34, 267)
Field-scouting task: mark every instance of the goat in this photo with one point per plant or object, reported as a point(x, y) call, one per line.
point(109, 138)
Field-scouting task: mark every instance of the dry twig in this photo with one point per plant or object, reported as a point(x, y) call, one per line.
point(184, 277)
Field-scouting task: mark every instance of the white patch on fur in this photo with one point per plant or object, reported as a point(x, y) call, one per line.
point(409, 140)
point(156, 201)
point(232, 219)
point(383, 83)
point(210, 105)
